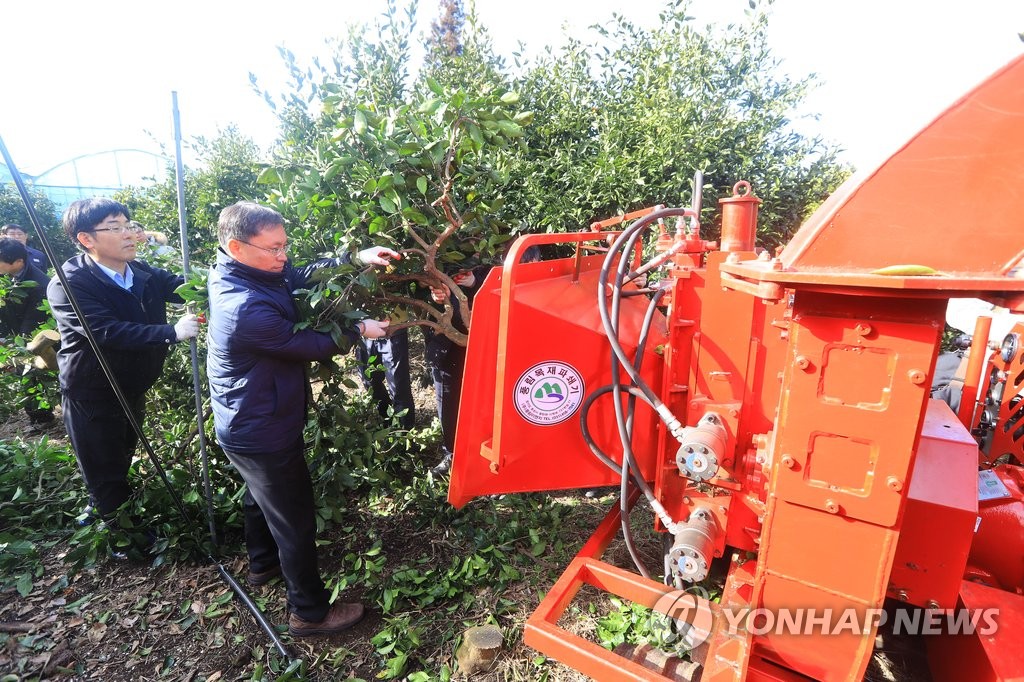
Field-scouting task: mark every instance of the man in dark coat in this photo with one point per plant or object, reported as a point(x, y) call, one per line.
point(125, 304)
point(20, 314)
point(257, 369)
point(390, 380)
point(35, 256)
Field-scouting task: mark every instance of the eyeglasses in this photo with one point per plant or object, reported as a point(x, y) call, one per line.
point(120, 229)
point(281, 251)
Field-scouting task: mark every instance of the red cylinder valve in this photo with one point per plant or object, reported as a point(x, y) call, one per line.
point(739, 218)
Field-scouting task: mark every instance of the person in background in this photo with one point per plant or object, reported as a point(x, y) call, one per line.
point(125, 305)
point(138, 233)
point(149, 242)
point(257, 364)
point(20, 313)
point(17, 232)
point(390, 381)
point(447, 359)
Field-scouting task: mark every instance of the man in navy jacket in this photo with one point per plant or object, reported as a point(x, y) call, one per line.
point(35, 256)
point(125, 304)
point(21, 315)
point(257, 370)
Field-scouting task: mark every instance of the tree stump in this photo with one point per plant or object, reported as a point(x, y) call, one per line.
point(480, 646)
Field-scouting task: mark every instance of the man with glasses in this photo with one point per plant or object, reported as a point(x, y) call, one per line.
point(257, 369)
point(125, 305)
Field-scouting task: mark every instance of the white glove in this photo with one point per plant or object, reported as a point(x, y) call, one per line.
point(377, 255)
point(186, 328)
point(373, 329)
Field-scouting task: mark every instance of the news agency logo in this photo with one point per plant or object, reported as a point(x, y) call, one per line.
point(683, 620)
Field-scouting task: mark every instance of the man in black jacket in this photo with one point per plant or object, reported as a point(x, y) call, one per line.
point(124, 302)
point(20, 314)
point(35, 256)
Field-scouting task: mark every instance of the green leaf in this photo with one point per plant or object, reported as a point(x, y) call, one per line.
point(415, 216)
point(510, 128)
point(269, 176)
point(359, 122)
point(24, 584)
point(475, 134)
point(510, 97)
point(523, 118)
point(430, 106)
point(435, 87)
point(421, 185)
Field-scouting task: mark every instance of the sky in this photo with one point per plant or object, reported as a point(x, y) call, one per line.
point(83, 77)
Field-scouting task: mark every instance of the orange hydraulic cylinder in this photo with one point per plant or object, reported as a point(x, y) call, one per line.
point(975, 364)
point(739, 218)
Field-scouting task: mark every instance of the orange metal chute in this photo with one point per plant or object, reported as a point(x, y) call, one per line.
point(958, 182)
point(541, 316)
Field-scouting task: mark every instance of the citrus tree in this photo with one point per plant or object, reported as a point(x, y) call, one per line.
point(631, 112)
point(419, 168)
point(225, 171)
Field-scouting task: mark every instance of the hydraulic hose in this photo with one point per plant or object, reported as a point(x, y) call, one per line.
point(628, 457)
point(625, 243)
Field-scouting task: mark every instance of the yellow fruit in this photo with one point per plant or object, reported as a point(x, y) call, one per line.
point(907, 270)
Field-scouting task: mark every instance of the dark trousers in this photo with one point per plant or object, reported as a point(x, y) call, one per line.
point(104, 444)
point(280, 525)
point(391, 384)
point(447, 361)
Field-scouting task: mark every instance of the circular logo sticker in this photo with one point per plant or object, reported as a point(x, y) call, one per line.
point(548, 393)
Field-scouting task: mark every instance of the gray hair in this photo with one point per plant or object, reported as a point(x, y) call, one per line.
point(244, 220)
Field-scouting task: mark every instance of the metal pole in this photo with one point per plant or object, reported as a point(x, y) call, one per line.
point(192, 345)
point(697, 197)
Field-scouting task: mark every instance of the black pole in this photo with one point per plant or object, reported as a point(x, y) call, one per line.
point(116, 386)
point(90, 337)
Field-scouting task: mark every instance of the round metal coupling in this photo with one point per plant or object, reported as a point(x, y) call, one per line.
point(694, 546)
point(701, 448)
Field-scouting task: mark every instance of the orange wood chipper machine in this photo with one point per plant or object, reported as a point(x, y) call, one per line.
point(775, 413)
